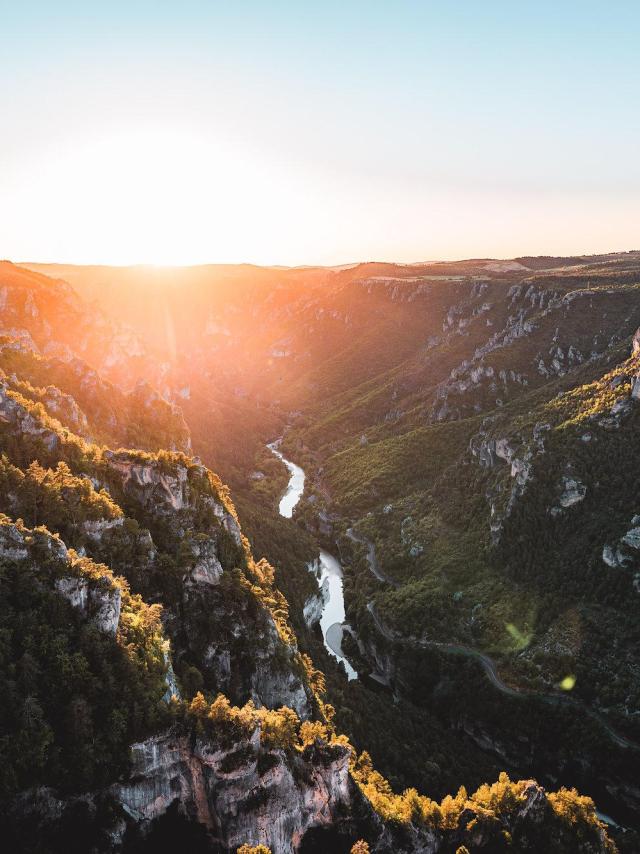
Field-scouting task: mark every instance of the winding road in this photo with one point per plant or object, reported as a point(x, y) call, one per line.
point(374, 566)
point(333, 638)
point(488, 664)
point(489, 668)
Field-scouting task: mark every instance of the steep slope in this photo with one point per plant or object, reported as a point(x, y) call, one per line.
point(165, 523)
point(85, 670)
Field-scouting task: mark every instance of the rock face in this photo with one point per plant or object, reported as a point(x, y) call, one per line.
point(232, 635)
point(518, 453)
point(65, 408)
point(19, 543)
point(167, 492)
point(243, 794)
point(270, 678)
point(96, 600)
point(272, 689)
point(12, 543)
point(18, 416)
point(207, 569)
point(625, 554)
point(100, 606)
point(313, 607)
point(610, 557)
point(96, 528)
point(170, 679)
point(573, 492)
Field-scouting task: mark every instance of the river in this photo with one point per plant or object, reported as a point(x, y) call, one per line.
point(295, 487)
point(327, 568)
point(332, 619)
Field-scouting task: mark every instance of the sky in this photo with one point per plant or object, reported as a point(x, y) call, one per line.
point(317, 132)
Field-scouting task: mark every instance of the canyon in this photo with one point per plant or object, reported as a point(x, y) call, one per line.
point(447, 525)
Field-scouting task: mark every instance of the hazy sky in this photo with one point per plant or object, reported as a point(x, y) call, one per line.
point(317, 132)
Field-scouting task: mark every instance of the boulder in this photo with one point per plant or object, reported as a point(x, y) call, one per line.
point(574, 491)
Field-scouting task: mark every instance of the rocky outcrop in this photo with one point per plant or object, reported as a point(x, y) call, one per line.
point(273, 688)
point(207, 569)
point(625, 554)
point(313, 607)
point(229, 628)
point(101, 606)
point(16, 339)
point(226, 625)
point(18, 543)
point(12, 543)
point(243, 793)
point(518, 453)
point(573, 491)
point(96, 528)
point(167, 490)
point(64, 407)
point(97, 599)
point(144, 480)
point(18, 416)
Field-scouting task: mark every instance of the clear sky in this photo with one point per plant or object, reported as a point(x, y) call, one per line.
point(317, 132)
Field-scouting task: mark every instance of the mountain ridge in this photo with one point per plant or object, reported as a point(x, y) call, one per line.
point(196, 553)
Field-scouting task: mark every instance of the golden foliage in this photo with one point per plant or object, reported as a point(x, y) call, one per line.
point(312, 730)
point(279, 728)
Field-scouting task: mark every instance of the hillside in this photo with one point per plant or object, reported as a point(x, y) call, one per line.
point(155, 683)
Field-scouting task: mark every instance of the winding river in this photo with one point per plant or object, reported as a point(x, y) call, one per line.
point(329, 573)
point(295, 487)
point(326, 568)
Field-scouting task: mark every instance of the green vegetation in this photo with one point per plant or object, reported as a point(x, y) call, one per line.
point(72, 697)
point(70, 390)
point(383, 428)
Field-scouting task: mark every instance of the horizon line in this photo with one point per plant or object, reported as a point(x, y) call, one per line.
point(311, 266)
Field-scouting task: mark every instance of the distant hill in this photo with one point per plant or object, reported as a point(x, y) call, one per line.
point(467, 425)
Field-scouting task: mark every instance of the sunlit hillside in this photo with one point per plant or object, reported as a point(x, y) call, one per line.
point(319, 418)
point(466, 438)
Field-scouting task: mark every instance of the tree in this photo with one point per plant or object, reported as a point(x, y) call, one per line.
point(279, 728)
point(312, 730)
point(198, 706)
point(192, 681)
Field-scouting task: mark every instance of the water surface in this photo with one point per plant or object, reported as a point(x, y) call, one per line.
point(325, 567)
point(295, 487)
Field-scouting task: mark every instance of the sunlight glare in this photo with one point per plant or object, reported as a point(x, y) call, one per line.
point(161, 194)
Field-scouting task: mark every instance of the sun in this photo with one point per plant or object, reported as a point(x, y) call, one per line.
point(162, 196)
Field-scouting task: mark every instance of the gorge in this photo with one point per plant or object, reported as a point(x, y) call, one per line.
point(309, 545)
point(409, 574)
point(326, 569)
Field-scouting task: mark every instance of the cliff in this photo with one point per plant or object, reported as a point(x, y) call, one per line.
point(151, 681)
